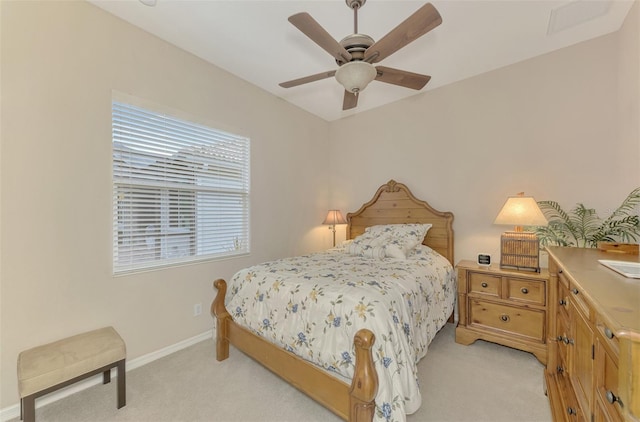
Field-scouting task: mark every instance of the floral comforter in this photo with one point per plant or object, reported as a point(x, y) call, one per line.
point(313, 305)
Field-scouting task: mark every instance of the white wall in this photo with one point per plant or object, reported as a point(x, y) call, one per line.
point(550, 126)
point(60, 63)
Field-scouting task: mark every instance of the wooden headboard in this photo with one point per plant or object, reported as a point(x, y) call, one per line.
point(394, 203)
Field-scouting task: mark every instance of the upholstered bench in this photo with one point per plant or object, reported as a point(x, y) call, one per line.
point(47, 368)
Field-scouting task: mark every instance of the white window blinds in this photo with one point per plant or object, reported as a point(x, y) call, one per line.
point(180, 190)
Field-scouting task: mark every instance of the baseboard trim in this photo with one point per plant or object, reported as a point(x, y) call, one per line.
point(11, 412)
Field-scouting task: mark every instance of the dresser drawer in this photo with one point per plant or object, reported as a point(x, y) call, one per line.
point(484, 284)
point(607, 383)
point(527, 323)
point(563, 336)
point(607, 336)
point(572, 410)
point(522, 290)
point(577, 296)
point(563, 299)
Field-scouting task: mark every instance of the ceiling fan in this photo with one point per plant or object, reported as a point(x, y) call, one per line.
point(356, 53)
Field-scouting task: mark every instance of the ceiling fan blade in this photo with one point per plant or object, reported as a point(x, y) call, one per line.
point(401, 77)
point(350, 100)
point(307, 79)
point(312, 29)
point(422, 21)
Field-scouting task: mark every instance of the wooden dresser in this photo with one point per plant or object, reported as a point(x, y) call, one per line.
point(507, 307)
point(593, 367)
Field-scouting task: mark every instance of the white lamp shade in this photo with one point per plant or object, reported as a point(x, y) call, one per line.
point(521, 211)
point(334, 217)
point(355, 76)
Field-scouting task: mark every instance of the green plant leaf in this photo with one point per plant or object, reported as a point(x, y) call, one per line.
point(583, 227)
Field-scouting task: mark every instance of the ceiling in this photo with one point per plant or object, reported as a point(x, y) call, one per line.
point(254, 41)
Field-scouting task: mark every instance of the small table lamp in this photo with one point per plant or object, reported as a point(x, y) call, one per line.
point(520, 249)
point(334, 217)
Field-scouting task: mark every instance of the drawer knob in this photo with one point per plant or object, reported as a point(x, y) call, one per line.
point(568, 340)
point(571, 411)
point(575, 291)
point(524, 290)
point(612, 398)
point(608, 333)
point(560, 369)
point(484, 285)
point(562, 302)
point(504, 318)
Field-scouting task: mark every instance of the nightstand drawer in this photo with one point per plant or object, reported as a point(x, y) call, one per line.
point(505, 306)
point(523, 322)
point(523, 290)
point(484, 284)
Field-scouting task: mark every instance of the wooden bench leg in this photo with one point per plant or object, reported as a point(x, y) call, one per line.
point(122, 386)
point(28, 411)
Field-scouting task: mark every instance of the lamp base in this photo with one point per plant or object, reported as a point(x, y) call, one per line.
point(520, 251)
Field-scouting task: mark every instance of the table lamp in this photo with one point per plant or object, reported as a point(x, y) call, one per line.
point(519, 249)
point(334, 217)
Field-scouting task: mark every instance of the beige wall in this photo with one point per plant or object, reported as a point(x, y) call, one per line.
point(550, 126)
point(553, 127)
point(60, 62)
point(629, 82)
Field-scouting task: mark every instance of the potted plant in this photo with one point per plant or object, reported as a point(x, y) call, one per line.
point(582, 227)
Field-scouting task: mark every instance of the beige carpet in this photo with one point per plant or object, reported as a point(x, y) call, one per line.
point(481, 382)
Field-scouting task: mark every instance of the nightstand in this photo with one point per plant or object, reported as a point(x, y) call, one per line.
point(503, 306)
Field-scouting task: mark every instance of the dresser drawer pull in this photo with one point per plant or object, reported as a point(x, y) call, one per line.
point(484, 285)
point(560, 338)
point(560, 369)
point(562, 302)
point(575, 291)
point(612, 398)
point(524, 290)
point(504, 318)
point(568, 340)
point(608, 333)
point(571, 411)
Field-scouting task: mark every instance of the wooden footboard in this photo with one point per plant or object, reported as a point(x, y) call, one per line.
point(354, 403)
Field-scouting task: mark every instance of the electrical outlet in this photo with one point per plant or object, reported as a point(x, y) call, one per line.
point(197, 309)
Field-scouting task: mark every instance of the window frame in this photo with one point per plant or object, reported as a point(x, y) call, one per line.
point(203, 177)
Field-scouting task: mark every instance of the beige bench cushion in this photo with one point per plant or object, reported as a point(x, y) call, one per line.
point(45, 366)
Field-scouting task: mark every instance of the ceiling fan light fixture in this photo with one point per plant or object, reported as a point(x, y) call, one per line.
point(355, 76)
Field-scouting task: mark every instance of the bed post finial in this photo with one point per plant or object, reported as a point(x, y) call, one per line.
point(364, 385)
point(222, 320)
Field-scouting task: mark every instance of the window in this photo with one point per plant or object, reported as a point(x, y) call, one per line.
point(180, 190)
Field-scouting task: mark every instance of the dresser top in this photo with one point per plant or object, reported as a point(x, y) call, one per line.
point(613, 295)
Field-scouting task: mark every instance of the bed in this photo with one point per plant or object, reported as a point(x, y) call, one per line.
point(265, 312)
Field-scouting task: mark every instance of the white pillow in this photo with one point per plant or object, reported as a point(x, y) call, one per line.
point(400, 238)
point(369, 245)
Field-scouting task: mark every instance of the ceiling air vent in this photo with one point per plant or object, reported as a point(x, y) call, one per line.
point(576, 13)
